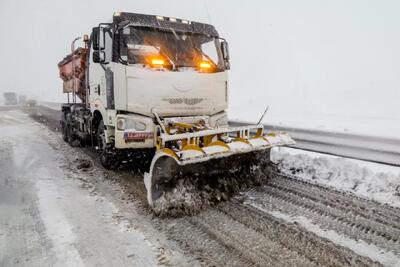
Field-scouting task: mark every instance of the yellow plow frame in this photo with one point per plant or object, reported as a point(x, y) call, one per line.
point(206, 150)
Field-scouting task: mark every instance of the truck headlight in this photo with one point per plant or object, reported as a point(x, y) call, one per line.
point(140, 126)
point(121, 124)
point(129, 124)
point(135, 125)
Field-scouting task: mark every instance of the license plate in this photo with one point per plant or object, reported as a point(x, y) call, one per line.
point(138, 136)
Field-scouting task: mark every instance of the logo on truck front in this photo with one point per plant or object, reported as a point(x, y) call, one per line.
point(187, 101)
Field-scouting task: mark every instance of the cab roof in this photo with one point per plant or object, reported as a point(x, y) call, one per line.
point(161, 22)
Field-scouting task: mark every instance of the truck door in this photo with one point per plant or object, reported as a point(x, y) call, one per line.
point(100, 68)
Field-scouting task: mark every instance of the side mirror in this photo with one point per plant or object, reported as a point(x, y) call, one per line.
point(99, 57)
point(99, 38)
point(95, 38)
point(225, 53)
point(225, 50)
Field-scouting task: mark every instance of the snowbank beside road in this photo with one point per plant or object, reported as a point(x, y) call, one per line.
point(51, 105)
point(368, 180)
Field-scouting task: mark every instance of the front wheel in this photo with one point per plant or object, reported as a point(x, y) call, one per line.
point(108, 156)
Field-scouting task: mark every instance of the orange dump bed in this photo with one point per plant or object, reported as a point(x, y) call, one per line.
point(72, 72)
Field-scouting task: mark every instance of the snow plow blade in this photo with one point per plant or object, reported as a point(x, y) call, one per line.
point(209, 159)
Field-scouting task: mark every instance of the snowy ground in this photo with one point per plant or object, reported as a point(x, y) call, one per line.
point(374, 181)
point(47, 215)
point(59, 207)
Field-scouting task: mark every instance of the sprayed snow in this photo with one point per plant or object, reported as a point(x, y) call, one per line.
point(368, 180)
point(387, 258)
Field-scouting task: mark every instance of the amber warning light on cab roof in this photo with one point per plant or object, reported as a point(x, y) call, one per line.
point(157, 62)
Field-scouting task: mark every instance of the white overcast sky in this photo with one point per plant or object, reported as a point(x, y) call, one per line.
point(304, 58)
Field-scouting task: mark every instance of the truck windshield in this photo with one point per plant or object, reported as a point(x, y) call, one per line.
point(138, 45)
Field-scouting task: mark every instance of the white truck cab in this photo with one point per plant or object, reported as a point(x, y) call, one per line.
point(141, 64)
point(138, 66)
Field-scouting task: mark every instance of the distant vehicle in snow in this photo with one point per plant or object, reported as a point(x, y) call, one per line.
point(22, 100)
point(10, 98)
point(31, 102)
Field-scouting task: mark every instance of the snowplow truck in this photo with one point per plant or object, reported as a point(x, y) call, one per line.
point(155, 87)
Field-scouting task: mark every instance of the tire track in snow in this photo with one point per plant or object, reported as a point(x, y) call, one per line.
point(375, 232)
point(360, 247)
point(293, 238)
point(58, 230)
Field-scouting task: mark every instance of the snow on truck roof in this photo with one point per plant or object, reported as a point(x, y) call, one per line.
point(163, 22)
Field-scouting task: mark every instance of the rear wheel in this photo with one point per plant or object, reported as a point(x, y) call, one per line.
point(64, 131)
point(70, 135)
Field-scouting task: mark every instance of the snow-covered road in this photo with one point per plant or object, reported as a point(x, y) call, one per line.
point(58, 206)
point(48, 218)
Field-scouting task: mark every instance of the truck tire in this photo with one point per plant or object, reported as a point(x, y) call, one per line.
point(65, 113)
point(107, 157)
point(64, 131)
point(71, 136)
